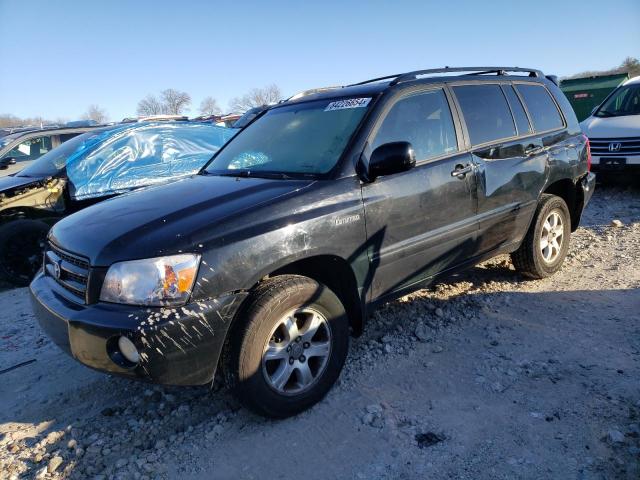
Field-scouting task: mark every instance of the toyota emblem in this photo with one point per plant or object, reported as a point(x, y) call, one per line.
point(56, 270)
point(615, 147)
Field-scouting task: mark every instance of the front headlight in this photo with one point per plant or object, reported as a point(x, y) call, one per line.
point(153, 282)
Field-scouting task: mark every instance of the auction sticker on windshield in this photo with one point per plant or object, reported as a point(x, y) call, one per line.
point(349, 103)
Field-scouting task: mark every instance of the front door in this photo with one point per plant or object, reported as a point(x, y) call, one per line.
point(422, 221)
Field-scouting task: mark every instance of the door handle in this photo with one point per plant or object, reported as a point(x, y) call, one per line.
point(461, 170)
point(532, 149)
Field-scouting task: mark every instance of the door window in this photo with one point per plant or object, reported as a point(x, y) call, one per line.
point(423, 119)
point(30, 149)
point(485, 112)
point(543, 110)
point(520, 116)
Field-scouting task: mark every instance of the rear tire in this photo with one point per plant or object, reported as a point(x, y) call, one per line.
point(287, 347)
point(546, 244)
point(21, 248)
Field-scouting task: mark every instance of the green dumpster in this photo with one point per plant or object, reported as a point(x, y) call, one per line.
point(586, 93)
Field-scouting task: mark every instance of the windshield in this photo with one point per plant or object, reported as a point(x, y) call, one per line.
point(301, 139)
point(54, 161)
point(624, 101)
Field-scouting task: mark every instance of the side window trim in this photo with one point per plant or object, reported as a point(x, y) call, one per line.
point(553, 99)
point(457, 124)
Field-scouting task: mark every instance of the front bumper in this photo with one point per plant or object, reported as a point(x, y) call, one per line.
point(177, 345)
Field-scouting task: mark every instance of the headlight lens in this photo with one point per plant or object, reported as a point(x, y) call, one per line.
point(152, 282)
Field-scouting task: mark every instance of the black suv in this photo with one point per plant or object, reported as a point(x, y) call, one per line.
point(322, 207)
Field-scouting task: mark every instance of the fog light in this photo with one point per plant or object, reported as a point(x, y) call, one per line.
point(128, 350)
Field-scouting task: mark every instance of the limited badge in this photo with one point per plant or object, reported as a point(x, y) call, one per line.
point(348, 103)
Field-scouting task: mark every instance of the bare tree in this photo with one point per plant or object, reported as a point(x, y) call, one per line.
point(209, 106)
point(150, 105)
point(175, 101)
point(630, 66)
point(255, 98)
point(94, 112)
point(10, 120)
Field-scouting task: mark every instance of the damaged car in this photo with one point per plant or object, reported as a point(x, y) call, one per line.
point(22, 147)
point(262, 266)
point(88, 169)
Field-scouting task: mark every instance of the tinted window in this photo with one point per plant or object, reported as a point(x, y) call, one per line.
point(31, 149)
point(67, 136)
point(543, 110)
point(485, 112)
point(424, 120)
point(522, 122)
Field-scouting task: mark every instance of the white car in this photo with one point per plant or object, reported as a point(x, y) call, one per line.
point(613, 130)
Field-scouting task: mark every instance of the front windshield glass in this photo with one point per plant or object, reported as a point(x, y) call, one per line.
point(301, 139)
point(54, 161)
point(624, 101)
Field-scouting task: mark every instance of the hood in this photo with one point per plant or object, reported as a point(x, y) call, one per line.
point(611, 127)
point(180, 217)
point(10, 183)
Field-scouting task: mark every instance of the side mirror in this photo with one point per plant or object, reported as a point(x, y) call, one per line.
point(390, 158)
point(7, 162)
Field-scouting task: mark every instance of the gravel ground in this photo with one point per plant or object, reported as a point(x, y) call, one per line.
point(482, 376)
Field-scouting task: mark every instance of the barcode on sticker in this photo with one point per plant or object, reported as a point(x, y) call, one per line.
point(349, 103)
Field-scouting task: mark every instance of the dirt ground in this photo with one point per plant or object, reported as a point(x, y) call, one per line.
point(485, 375)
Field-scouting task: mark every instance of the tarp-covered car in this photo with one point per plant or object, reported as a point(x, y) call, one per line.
point(90, 168)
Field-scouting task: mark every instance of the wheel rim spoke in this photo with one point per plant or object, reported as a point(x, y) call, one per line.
point(305, 376)
point(292, 328)
point(282, 375)
point(318, 349)
point(313, 325)
point(276, 352)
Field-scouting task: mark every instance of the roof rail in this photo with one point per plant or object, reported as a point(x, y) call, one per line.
point(406, 77)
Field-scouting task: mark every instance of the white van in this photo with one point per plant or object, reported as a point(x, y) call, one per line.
point(613, 130)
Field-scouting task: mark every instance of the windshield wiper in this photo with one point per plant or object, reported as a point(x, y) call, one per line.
point(237, 173)
point(255, 174)
point(606, 113)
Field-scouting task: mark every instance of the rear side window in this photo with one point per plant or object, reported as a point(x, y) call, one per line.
point(543, 110)
point(485, 112)
point(423, 119)
point(522, 122)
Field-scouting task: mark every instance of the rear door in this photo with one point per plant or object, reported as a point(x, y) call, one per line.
point(421, 221)
point(511, 162)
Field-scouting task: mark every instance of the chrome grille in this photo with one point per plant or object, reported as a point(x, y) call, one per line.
point(622, 147)
point(70, 271)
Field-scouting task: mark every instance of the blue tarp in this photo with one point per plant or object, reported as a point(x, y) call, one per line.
point(125, 157)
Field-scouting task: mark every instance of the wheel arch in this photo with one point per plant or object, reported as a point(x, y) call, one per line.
point(334, 272)
point(572, 195)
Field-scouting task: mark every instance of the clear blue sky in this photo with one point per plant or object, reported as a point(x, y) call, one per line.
point(58, 57)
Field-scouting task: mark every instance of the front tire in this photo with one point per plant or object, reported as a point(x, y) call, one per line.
point(288, 346)
point(546, 244)
point(21, 247)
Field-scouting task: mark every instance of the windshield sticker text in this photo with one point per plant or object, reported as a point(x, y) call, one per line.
point(349, 103)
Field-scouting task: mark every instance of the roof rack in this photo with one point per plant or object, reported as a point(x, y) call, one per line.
point(406, 77)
